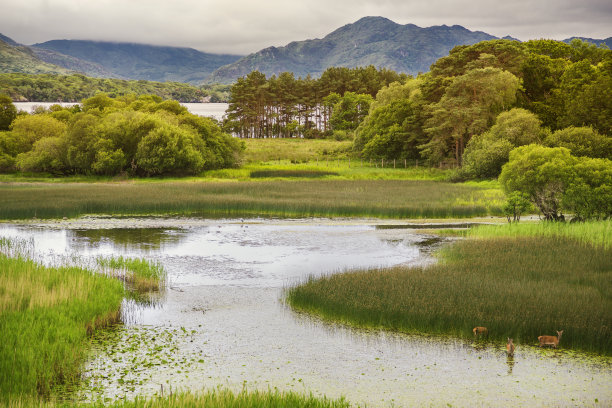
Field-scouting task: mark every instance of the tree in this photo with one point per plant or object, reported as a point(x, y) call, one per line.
point(487, 153)
point(349, 111)
point(8, 112)
point(581, 141)
point(589, 195)
point(468, 107)
point(516, 205)
point(27, 129)
point(542, 174)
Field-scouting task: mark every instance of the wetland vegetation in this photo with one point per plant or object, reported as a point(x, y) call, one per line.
point(519, 287)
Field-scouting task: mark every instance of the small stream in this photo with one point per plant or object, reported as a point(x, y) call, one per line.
point(222, 321)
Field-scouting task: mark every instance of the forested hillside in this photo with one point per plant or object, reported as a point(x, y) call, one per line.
point(137, 61)
point(373, 41)
point(75, 87)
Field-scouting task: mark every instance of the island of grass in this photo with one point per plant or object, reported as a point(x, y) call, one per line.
point(519, 282)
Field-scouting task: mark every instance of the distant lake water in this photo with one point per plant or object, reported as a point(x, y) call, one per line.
point(213, 110)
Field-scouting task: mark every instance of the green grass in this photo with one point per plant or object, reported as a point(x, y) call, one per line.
point(598, 233)
point(283, 198)
point(140, 274)
point(291, 173)
point(516, 287)
point(295, 150)
point(219, 398)
point(45, 317)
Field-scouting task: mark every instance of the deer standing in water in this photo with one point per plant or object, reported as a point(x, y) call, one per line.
point(479, 330)
point(550, 340)
point(510, 347)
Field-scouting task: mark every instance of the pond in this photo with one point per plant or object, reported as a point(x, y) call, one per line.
point(222, 321)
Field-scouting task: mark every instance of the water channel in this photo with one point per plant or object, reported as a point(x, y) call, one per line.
point(222, 321)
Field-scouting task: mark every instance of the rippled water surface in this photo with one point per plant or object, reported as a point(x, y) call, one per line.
point(222, 320)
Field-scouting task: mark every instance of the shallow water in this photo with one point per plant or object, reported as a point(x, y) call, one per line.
point(223, 321)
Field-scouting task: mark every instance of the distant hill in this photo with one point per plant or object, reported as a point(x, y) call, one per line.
point(607, 41)
point(8, 40)
point(138, 61)
point(74, 64)
point(19, 58)
point(374, 41)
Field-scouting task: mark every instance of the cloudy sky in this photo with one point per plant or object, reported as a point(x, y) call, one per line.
point(244, 26)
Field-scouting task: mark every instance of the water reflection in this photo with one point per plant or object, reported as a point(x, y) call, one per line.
point(510, 363)
point(141, 239)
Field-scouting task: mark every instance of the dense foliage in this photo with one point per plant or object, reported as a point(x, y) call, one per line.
point(452, 109)
point(75, 87)
point(133, 135)
point(283, 106)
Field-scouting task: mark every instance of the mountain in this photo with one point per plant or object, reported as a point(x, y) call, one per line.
point(19, 58)
point(607, 41)
point(138, 61)
point(8, 40)
point(74, 64)
point(369, 41)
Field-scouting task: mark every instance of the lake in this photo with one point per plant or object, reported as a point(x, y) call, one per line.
point(223, 322)
point(213, 110)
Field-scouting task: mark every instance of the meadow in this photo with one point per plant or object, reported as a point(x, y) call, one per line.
point(520, 287)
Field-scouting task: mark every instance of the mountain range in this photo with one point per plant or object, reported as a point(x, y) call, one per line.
point(374, 41)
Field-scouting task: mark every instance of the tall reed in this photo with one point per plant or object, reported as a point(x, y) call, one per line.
point(304, 198)
point(45, 316)
point(516, 287)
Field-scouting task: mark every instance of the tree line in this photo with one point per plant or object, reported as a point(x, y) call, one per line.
point(137, 136)
point(285, 106)
point(76, 87)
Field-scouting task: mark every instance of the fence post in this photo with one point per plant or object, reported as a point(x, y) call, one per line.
point(349, 162)
point(382, 163)
point(417, 163)
point(405, 163)
point(393, 163)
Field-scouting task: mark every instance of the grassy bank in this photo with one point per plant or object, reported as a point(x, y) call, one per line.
point(304, 198)
point(597, 233)
point(45, 316)
point(295, 150)
point(220, 398)
point(516, 287)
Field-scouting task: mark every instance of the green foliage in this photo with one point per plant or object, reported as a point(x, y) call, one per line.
point(517, 287)
point(8, 112)
point(555, 181)
point(516, 205)
point(468, 107)
point(485, 154)
point(581, 141)
point(108, 136)
point(542, 174)
point(349, 111)
point(287, 107)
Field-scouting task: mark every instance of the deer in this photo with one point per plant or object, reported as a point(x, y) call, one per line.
point(510, 347)
point(479, 330)
point(550, 340)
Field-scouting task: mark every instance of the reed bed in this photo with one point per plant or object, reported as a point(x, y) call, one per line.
point(516, 287)
point(303, 198)
point(597, 233)
point(218, 398)
point(45, 316)
point(142, 275)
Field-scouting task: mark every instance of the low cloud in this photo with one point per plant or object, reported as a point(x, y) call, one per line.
point(244, 26)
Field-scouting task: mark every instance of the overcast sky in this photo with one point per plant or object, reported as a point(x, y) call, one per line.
point(244, 26)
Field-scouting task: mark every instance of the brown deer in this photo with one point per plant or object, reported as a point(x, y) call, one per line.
point(480, 331)
point(510, 347)
point(550, 340)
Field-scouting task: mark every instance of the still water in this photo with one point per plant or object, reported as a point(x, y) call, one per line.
point(213, 110)
point(223, 322)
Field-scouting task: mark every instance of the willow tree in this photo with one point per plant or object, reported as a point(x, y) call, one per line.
point(468, 107)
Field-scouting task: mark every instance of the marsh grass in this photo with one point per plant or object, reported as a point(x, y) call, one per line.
point(45, 316)
point(140, 274)
point(516, 287)
point(597, 233)
point(283, 198)
point(219, 398)
point(291, 173)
